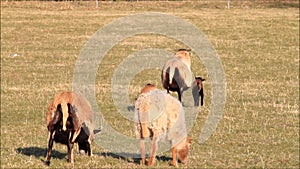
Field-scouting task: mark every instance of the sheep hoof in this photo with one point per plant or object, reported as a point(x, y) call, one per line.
point(142, 162)
point(70, 161)
point(47, 163)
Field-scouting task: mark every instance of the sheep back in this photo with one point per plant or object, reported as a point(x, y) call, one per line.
point(184, 56)
point(182, 74)
point(82, 108)
point(148, 87)
point(160, 113)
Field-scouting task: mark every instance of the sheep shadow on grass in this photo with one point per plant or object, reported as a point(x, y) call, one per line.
point(39, 152)
point(129, 158)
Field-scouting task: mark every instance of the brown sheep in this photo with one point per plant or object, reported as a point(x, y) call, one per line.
point(69, 120)
point(177, 76)
point(198, 91)
point(169, 124)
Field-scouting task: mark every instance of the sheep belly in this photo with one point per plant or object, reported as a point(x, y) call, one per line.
point(61, 136)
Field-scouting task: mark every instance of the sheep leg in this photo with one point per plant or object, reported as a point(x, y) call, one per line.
point(70, 152)
point(50, 145)
point(88, 148)
point(142, 149)
point(179, 94)
point(201, 93)
point(76, 133)
point(70, 148)
point(153, 150)
point(174, 158)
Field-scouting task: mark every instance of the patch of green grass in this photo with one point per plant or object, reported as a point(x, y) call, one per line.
point(258, 46)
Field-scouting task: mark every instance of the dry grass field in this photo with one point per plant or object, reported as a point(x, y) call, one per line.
point(257, 42)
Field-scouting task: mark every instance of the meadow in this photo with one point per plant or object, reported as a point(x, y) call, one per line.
point(257, 42)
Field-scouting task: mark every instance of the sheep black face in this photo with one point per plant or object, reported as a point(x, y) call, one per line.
point(83, 143)
point(198, 91)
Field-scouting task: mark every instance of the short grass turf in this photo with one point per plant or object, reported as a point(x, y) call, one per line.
point(258, 44)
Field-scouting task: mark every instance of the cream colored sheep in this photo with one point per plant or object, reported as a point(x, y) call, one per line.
point(161, 116)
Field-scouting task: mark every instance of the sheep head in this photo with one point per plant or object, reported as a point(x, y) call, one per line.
point(200, 81)
point(148, 87)
point(183, 152)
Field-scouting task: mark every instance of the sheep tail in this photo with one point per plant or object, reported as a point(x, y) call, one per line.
point(171, 74)
point(143, 124)
point(145, 131)
point(65, 113)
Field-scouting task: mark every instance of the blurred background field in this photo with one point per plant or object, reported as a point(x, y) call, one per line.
point(257, 41)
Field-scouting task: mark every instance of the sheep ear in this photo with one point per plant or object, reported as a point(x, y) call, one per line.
point(96, 131)
point(200, 78)
point(189, 142)
point(58, 107)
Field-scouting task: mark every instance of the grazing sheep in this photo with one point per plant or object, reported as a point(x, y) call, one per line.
point(198, 91)
point(160, 116)
point(176, 74)
point(70, 120)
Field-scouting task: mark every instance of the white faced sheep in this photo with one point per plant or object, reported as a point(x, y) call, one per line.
point(70, 120)
point(161, 116)
point(177, 76)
